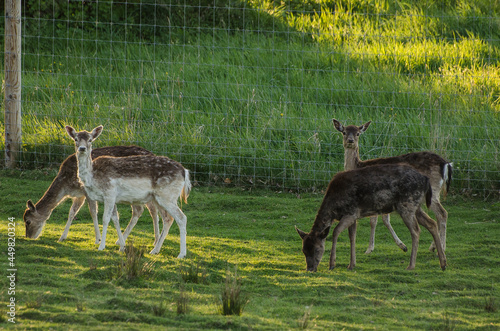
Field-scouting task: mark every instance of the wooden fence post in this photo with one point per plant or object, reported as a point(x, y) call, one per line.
point(12, 69)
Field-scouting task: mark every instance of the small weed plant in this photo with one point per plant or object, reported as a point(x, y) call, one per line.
point(133, 266)
point(195, 274)
point(305, 319)
point(159, 309)
point(182, 301)
point(232, 299)
point(490, 305)
point(36, 303)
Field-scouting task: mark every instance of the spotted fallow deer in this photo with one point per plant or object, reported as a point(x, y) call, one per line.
point(132, 179)
point(379, 189)
point(429, 164)
point(66, 185)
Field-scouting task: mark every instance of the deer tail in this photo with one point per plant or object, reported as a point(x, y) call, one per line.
point(187, 186)
point(447, 172)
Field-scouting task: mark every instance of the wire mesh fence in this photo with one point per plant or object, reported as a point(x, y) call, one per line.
point(244, 92)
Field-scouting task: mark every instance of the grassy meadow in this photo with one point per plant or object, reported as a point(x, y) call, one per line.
point(245, 91)
point(248, 237)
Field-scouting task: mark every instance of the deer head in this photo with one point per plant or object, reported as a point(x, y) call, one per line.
point(83, 139)
point(34, 221)
point(351, 133)
point(313, 247)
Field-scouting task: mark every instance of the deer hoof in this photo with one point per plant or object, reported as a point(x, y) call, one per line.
point(404, 248)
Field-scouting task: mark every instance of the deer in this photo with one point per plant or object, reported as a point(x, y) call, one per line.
point(435, 167)
point(138, 179)
point(66, 185)
point(379, 189)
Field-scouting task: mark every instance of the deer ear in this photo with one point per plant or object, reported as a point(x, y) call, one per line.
point(338, 125)
point(71, 132)
point(96, 132)
point(301, 233)
point(365, 126)
point(30, 205)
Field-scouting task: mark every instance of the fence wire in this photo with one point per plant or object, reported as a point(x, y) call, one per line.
point(244, 92)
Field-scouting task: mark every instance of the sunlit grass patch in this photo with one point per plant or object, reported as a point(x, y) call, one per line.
point(79, 286)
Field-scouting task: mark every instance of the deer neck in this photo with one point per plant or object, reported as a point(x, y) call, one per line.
point(351, 158)
point(325, 216)
point(55, 194)
point(85, 173)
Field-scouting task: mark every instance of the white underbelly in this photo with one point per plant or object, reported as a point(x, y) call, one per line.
point(133, 190)
point(124, 190)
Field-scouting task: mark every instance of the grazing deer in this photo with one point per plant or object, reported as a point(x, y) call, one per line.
point(137, 179)
point(66, 185)
point(358, 193)
point(429, 164)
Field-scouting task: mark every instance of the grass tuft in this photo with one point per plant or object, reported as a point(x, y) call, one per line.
point(232, 299)
point(80, 306)
point(182, 301)
point(196, 274)
point(133, 266)
point(305, 319)
point(490, 305)
point(159, 309)
point(35, 303)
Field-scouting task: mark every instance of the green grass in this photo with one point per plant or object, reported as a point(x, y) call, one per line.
point(252, 99)
point(71, 285)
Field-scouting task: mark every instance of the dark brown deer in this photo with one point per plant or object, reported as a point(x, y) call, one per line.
point(66, 185)
point(429, 164)
point(369, 191)
point(137, 179)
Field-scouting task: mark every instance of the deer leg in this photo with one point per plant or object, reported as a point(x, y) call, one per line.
point(75, 207)
point(93, 207)
point(136, 213)
point(373, 225)
point(431, 226)
point(352, 239)
point(167, 223)
point(109, 211)
point(116, 221)
point(153, 211)
point(441, 217)
point(344, 223)
point(386, 218)
point(181, 221)
point(412, 225)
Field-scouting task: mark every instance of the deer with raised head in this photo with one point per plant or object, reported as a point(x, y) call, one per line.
point(429, 164)
point(137, 179)
point(358, 193)
point(66, 185)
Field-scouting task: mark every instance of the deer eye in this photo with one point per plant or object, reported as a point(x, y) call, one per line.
point(343, 133)
point(90, 140)
point(357, 134)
